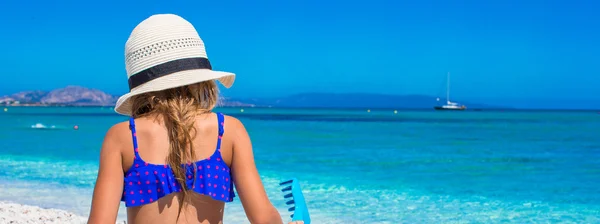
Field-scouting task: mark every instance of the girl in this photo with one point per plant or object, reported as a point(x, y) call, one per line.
point(175, 161)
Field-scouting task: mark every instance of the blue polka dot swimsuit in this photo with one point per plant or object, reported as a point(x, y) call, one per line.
point(145, 183)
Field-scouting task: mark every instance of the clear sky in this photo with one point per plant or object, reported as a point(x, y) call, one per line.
point(501, 50)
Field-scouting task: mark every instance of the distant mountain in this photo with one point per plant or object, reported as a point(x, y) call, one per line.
point(355, 100)
point(70, 95)
point(76, 95)
point(79, 96)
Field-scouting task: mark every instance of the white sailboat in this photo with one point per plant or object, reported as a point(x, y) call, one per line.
point(449, 105)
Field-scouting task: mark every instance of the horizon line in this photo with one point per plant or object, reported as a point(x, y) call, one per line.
point(371, 109)
point(344, 93)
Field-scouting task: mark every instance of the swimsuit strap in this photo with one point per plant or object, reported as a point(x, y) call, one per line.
point(221, 120)
point(134, 137)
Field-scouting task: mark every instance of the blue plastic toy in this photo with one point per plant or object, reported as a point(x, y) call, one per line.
point(299, 209)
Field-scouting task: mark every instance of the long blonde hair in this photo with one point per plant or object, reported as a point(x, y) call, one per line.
point(178, 108)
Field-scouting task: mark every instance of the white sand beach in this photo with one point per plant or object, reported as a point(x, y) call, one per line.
point(14, 213)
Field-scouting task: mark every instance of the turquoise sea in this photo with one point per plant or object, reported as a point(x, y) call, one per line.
point(354, 166)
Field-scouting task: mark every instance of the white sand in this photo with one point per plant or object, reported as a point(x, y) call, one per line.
point(16, 213)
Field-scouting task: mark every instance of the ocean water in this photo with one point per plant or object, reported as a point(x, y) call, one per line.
point(354, 166)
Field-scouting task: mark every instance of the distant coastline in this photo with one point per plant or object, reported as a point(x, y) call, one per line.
point(74, 96)
point(77, 96)
point(70, 95)
point(374, 110)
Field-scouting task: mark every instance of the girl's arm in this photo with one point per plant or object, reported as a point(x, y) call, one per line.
point(109, 185)
point(250, 189)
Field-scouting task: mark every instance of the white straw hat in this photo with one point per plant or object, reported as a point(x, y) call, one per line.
point(163, 52)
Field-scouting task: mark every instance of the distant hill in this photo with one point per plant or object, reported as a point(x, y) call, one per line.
point(78, 96)
point(70, 95)
point(355, 100)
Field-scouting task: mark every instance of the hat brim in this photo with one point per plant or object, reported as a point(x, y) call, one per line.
point(174, 80)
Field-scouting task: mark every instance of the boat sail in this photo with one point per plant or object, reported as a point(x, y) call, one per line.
point(449, 104)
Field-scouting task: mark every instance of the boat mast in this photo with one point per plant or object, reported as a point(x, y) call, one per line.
point(448, 89)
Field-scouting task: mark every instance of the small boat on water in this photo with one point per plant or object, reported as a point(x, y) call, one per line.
point(449, 105)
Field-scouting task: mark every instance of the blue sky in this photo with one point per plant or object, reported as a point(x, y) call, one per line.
point(501, 50)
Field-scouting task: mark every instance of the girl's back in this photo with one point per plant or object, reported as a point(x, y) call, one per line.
point(153, 149)
point(127, 175)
